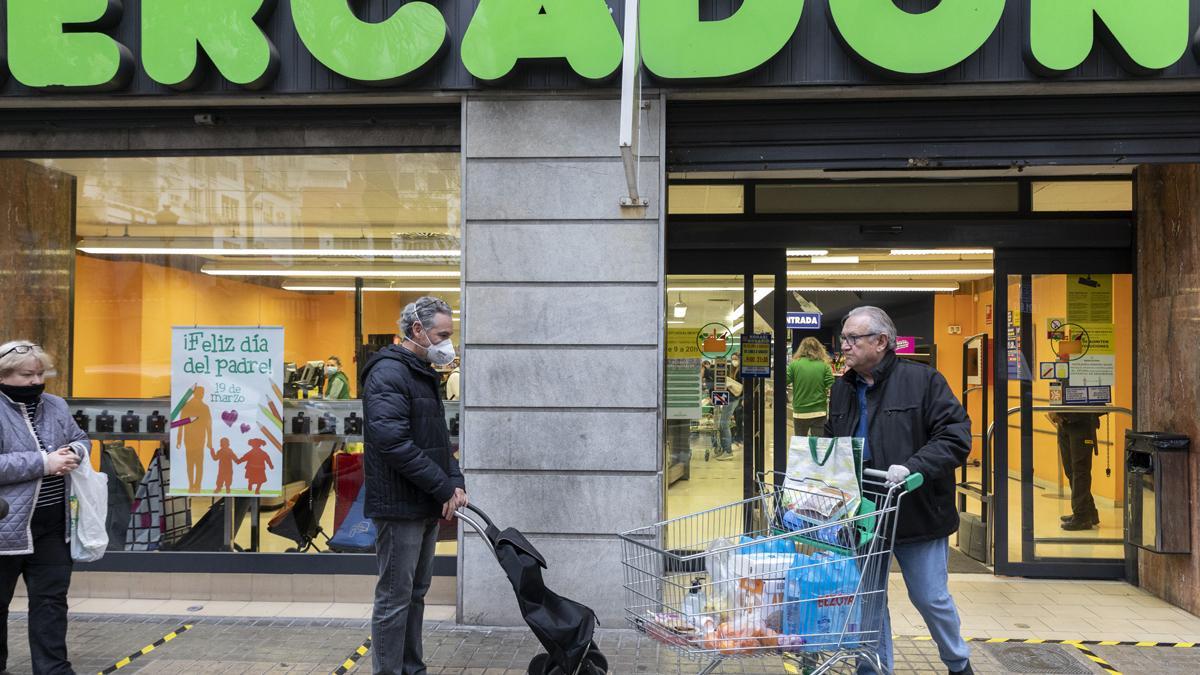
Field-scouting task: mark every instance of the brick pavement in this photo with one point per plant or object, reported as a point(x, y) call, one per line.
point(289, 645)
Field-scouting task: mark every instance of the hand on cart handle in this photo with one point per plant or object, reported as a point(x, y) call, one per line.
point(910, 481)
point(457, 501)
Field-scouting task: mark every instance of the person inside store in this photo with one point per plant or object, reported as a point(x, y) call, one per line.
point(1076, 446)
point(41, 446)
point(337, 385)
point(810, 378)
point(454, 382)
point(910, 422)
point(412, 478)
point(726, 420)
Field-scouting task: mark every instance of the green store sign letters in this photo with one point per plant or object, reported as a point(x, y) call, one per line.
point(61, 43)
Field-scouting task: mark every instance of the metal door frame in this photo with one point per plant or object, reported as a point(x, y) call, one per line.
point(749, 263)
point(1026, 263)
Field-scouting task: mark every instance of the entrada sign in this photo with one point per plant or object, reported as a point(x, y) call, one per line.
point(62, 44)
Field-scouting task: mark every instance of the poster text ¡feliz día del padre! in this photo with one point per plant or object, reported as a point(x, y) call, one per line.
point(237, 356)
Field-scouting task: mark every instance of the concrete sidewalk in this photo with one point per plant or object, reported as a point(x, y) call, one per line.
point(265, 637)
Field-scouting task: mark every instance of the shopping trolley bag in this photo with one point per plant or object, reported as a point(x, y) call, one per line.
point(821, 603)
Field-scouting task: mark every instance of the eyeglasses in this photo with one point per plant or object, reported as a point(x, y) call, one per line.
point(853, 339)
point(19, 349)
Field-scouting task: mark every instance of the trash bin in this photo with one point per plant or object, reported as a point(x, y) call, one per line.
point(1157, 491)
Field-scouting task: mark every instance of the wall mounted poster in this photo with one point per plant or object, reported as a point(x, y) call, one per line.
point(226, 425)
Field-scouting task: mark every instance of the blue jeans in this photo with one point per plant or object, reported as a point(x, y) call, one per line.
point(925, 569)
point(725, 417)
point(404, 550)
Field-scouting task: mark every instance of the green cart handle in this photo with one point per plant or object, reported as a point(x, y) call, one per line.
point(912, 482)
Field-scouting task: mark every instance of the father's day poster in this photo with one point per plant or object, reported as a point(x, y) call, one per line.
point(226, 424)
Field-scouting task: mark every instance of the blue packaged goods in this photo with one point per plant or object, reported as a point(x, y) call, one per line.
point(821, 605)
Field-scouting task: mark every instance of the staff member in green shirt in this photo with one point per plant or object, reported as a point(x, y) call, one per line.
point(337, 385)
point(810, 377)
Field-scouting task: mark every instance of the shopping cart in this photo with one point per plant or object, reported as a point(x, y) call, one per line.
point(798, 572)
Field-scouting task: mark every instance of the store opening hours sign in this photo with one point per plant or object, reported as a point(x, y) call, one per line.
point(226, 426)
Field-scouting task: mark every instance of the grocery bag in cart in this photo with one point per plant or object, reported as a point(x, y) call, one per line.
point(823, 485)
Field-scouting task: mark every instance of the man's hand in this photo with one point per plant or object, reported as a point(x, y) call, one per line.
point(896, 474)
point(458, 501)
point(61, 462)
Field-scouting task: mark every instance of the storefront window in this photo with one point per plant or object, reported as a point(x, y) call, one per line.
point(324, 249)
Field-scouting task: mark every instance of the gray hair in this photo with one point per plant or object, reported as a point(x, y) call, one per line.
point(424, 309)
point(877, 320)
point(11, 361)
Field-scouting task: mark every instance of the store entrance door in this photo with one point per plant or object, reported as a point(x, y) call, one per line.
point(724, 313)
point(1063, 364)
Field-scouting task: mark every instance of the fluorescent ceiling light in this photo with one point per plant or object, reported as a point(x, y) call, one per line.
point(759, 294)
point(737, 328)
point(205, 246)
point(806, 253)
point(704, 289)
point(340, 288)
point(348, 272)
point(942, 251)
point(858, 288)
point(673, 322)
point(891, 272)
point(835, 260)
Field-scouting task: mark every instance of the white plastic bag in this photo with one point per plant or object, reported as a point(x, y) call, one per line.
point(89, 513)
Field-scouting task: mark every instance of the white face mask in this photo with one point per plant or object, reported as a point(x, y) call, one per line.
point(330, 370)
point(441, 354)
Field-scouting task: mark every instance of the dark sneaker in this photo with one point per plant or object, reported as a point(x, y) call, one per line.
point(964, 671)
point(1076, 524)
point(1067, 518)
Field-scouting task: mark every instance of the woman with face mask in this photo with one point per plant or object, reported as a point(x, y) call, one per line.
point(337, 385)
point(40, 445)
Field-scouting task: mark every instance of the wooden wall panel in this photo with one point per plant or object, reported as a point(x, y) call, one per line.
point(1168, 331)
point(37, 260)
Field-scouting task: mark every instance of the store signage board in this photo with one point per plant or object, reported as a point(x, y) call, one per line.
point(756, 355)
point(226, 423)
point(906, 345)
point(720, 398)
point(683, 375)
point(73, 46)
point(804, 320)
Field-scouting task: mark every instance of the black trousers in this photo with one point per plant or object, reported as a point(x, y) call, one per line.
point(47, 573)
point(1076, 445)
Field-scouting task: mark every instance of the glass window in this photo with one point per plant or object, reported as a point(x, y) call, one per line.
point(234, 242)
point(997, 197)
point(1089, 195)
point(705, 199)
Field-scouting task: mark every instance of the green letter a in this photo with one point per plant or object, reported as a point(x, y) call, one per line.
point(677, 45)
point(228, 30)
point(503, 32)
point(378, 54)
point(1147, 35)
point(907, 44)
point(42, 54)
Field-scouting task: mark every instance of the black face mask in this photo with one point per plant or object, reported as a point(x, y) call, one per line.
point(23, 394)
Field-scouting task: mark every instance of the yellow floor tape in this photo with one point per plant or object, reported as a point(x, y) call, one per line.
point(146, 650)
point(353, 659)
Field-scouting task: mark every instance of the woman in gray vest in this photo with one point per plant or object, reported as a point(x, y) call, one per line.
point(40, 445)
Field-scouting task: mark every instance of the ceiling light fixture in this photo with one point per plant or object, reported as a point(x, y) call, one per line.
point(806, 253)
point(835, 260)
point(705, 289)
point(204, 246)
point(738, 328)
point(364, 272)
point(680, 309)
point(891, 272)
point(942, 251)
point(344, 288)
point(759, 294)
point(860, 288)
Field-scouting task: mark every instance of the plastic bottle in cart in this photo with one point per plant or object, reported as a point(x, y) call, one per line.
point(693, 604)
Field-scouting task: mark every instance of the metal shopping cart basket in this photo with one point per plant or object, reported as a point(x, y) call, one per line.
point(750, 579)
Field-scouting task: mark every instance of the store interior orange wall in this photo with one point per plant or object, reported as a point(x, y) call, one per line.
point(968, 309)
point(124, 312)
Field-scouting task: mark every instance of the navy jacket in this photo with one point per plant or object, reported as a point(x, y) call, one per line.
point(410, 471)
point(912, 419)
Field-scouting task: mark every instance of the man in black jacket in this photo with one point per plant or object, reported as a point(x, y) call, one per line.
point(412, 478)
point(910, 423)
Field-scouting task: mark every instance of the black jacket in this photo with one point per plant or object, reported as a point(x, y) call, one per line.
point(912, 419)
point(410, 471)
